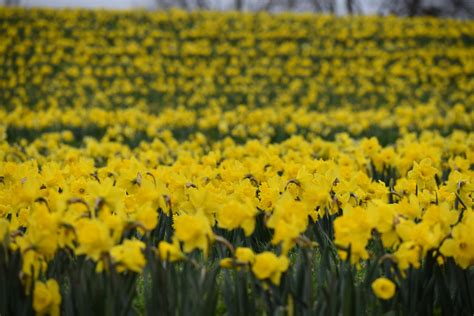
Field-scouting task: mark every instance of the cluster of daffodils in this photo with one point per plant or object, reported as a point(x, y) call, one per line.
point(415, 195)
point(212, 59)
point(247, 141)
point(166, 129)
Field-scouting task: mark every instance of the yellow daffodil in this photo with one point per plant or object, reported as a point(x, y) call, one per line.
point(383, 288)
point(170, 251)
point(94, 238)
point(47, 298)
point(268, 266)
point(129, 256)
point(194, 231)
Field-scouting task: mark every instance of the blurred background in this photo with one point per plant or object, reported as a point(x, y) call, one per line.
point(441, 8)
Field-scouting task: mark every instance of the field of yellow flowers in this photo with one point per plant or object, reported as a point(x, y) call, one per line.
point(207, 163)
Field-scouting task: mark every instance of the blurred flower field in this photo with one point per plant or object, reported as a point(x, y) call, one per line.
point(207, 163)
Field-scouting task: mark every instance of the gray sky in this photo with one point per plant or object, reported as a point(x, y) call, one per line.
point(368, 6)
point(365, 6)
point(112, 4)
